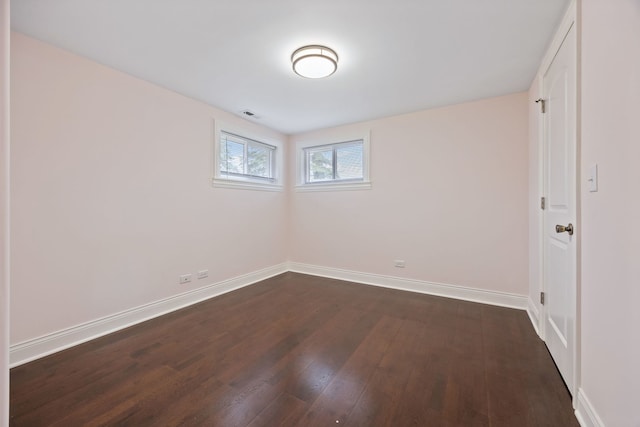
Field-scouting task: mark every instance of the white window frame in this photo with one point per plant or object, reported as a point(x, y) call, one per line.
point(222, 180)
point(338, 185)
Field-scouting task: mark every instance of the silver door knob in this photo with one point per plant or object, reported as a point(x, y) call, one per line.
point(568, 228)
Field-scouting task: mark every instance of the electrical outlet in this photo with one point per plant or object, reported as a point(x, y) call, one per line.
point(185, 278)
point(399, 263)
point(203, 274)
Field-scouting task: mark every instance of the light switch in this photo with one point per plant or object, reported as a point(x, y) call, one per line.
point(592, 179)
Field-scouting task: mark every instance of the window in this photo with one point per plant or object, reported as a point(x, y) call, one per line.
point(336, 162)
point(333, 166)
point(243, 160)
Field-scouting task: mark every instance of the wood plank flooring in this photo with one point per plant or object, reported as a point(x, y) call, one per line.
point(299, 350)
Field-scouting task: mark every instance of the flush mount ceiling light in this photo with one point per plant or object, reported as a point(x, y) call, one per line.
point(314, 61)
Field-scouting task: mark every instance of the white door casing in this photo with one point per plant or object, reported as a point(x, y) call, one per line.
point(559, 91)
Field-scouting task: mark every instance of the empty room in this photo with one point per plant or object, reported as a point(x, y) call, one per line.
point(281, 213)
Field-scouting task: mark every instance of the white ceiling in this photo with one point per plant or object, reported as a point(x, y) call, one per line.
point(396, 56)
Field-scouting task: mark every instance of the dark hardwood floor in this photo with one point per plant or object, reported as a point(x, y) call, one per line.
point(298, 350)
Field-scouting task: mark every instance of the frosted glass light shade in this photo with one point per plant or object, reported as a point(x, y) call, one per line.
point(314, 61)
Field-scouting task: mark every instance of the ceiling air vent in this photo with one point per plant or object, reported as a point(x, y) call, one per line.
point(250, 114)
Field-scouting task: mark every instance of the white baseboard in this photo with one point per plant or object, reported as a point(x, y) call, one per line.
point(60, 340)
point(585, 413)
point(450, 291)
point(534, 315)
point(51, 343)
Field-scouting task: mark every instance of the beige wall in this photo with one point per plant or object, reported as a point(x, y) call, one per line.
point(4, 212)
point(611, 234)
point(111, 194)
point(449, 197)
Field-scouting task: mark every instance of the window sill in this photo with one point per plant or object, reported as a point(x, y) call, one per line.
point(245, 185)
point(335, 187)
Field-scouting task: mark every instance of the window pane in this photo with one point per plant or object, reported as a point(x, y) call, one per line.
point(259, 160)
point(231, 156)
point(245, 159)
point(349, 162)
point(320, 163)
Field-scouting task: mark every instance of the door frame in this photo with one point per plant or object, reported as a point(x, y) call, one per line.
point(569, 20)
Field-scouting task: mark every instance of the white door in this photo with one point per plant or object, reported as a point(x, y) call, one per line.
point(559, 95)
